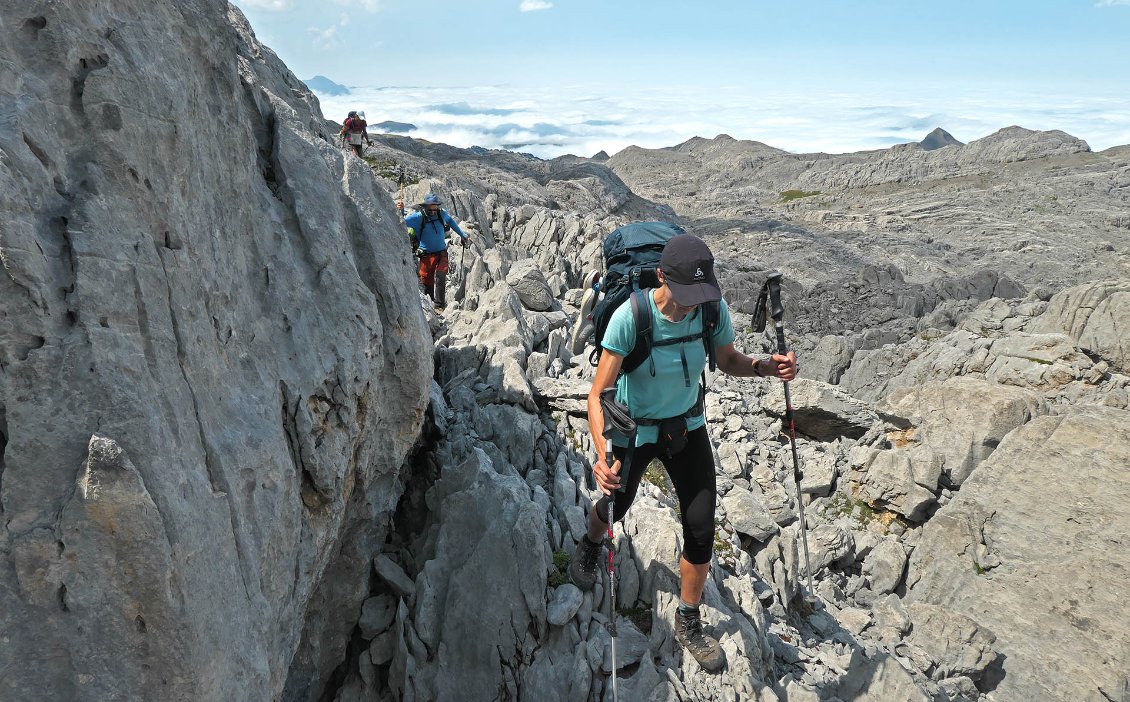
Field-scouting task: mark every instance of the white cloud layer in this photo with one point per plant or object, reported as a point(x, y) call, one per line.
point(1112, 3)
point(551, 122)
point(534, 5)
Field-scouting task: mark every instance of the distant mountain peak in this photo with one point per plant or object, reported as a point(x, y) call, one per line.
point(937, 139)
point(395, 127)
point(321, 84)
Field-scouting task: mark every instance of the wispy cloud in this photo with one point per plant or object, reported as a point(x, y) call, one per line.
point(269, 5)
point(325, 38)
point(1112, 3)
point(535, 5)
point(369, 5)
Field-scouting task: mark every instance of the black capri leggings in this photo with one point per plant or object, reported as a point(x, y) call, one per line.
point(692, 472)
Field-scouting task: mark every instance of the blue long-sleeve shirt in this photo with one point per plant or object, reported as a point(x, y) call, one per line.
point(429, 230)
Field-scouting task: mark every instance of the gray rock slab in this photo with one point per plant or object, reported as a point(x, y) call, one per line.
point(854, 619)
point(957, 645)
point(560, 668)
point(376, 615)
point(1046, 505)
point(962, 439)
point(631, 645)
point(748, 514)
point(821, 411)
point(876, 679)
point(564, 604)
point(885, 566)
point(236, 309)
point(1094, 315)
point(529, 283)
point(567, 395)
point(391, 572)
point(893, 479)
point(830, 544)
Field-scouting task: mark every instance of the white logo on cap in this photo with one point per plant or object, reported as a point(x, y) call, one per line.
point(699, 274)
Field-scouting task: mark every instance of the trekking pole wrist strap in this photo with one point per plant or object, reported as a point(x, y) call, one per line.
point(757, 368)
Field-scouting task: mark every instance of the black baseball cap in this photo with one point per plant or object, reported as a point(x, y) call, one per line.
point(688, 267)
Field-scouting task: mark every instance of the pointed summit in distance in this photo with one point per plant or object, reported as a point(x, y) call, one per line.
point(321, 84)
point(937, 139)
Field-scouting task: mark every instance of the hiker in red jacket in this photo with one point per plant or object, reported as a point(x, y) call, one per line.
point(353, 131)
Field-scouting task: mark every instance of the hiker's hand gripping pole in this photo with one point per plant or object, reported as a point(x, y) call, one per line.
point(616, 419)
point(777, 311)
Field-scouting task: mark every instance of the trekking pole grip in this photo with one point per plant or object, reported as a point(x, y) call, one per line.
point(607, 395)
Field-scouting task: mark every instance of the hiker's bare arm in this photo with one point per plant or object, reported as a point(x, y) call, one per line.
point(606, 372)
point(733, 362)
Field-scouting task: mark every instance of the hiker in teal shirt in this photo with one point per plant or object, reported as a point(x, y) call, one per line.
point(661, 387)
point(664, 391)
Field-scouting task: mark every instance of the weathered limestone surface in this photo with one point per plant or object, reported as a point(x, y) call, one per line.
point(209, 367)
point(1033, 548)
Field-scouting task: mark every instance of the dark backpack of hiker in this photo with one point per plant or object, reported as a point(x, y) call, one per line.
point(631, 259)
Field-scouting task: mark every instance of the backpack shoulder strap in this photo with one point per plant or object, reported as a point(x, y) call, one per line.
point(711, 311)
point(641, 313)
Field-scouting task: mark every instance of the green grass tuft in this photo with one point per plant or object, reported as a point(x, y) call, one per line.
point(559, 576)
point(790, 195)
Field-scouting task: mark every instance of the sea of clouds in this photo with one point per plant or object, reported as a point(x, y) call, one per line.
point(583, 120)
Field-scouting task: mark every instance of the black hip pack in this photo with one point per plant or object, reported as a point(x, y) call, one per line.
point(673, 432)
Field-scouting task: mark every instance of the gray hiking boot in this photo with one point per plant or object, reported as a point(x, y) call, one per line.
point(582, 569)
point(705, 649)
point(583, 328)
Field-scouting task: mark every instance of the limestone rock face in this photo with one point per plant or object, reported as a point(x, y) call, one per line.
point(1029, 549)
point(1093, 316)
point(209, 360)
point(962, 439)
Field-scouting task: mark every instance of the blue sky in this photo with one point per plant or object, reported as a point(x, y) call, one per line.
point(1060, 65)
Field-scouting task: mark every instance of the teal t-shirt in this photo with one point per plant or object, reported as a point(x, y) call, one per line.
point(667, 393)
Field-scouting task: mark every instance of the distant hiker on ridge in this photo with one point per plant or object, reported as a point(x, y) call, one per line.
point(426, 230)
point(689, 325)
point(353, 131)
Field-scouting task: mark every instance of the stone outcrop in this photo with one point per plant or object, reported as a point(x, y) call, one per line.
point(1030, 548)
point(209, 367)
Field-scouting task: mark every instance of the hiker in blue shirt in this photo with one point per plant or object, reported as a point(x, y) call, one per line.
point(426, 230)
point(663, 396)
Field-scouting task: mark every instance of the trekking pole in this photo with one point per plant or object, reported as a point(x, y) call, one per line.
point(462, 270)
point(772, 286)
point(616, 418)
